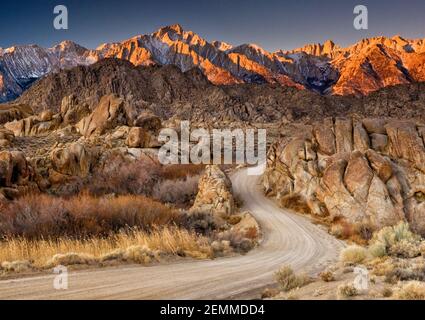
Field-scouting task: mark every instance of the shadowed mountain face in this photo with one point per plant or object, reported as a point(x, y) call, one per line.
point(168, 92)
point(326, 68)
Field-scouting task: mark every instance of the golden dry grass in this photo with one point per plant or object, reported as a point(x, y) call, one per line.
point(40, 216)
point(171, 241)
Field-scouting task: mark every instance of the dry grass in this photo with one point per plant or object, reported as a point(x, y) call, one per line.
point(288, 280)
point(42, 216)
point(353, 255)
point(181, 171)
point(412, 290)
point(180, 191)
point(346, 290)
point(327, 276)
point(295, 202)
point(121, 176)
point(169, 241)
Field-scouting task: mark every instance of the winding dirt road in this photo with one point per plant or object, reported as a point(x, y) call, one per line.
point(288, 239)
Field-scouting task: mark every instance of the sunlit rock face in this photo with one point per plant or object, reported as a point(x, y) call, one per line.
point(325, 68)
point(333, 170)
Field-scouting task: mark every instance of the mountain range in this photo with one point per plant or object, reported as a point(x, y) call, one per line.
point(326, 68)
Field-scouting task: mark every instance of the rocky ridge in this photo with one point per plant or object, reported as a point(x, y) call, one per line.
point(368, 172)
point(326, 68)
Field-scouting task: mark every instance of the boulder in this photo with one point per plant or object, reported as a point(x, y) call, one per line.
point(358, 176)
point(379, 183)
point(138, 138)
point(405, 143)
point(215, 192)
point(148, 121)
point(361, 138)
point(72, 112)
point(325, 137)
point(374, 125)
point(6, 138)
point(74, 159)
point(379, 142)
point(16, 175)
point(34, 125)
point(343, 135)
point(11, 112)
point(108, 114)
point(381, 165)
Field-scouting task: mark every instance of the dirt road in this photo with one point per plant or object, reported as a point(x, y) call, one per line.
point(288, 239)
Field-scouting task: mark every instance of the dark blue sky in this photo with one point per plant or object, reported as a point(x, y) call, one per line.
point(272, 24)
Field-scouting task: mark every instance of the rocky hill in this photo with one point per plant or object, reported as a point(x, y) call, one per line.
point(168, 93)
point(365, 172)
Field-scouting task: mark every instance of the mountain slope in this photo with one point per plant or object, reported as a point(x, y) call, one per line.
point(168, 92)
point(326, 68)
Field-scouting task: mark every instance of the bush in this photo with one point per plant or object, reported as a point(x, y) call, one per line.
point(121, 176)
point(405, 273)
point(269, 293)
point(181, 171)
point(198, 221)
point(181, 191)
point(413, 290)
point(237, 241)
point(346, 290)
point(396, 241)
point(71, 258)
point(377, 250)
point(387, 292)
point(405, 249)
point(342, 230)
point(353, 254)
point(17, 266)
point(288, 280)
point(295, 202)
point(327, 276)
point(42, 216)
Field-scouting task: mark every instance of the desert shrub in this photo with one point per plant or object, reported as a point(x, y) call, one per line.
point(405, 249)
point(364, 230)
point(295, 202)
point(198, 221)
point(327, 276)
point(382, 266)
point(42, 216)
point(346, 290)
point(233, 219)
point(130, 246)
point(237, 241)
point(70, 258)
point(181, 191)
point(288, 280)
point(397, 240)
point(342, 230)
point(181, 171)
point(405, 273)
point(17, 266)
point(377, 250)
point(413, 290)
point(269, 293)
point(353, 254)
point(121, 176)
point(221, 248)
point(387, 292)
